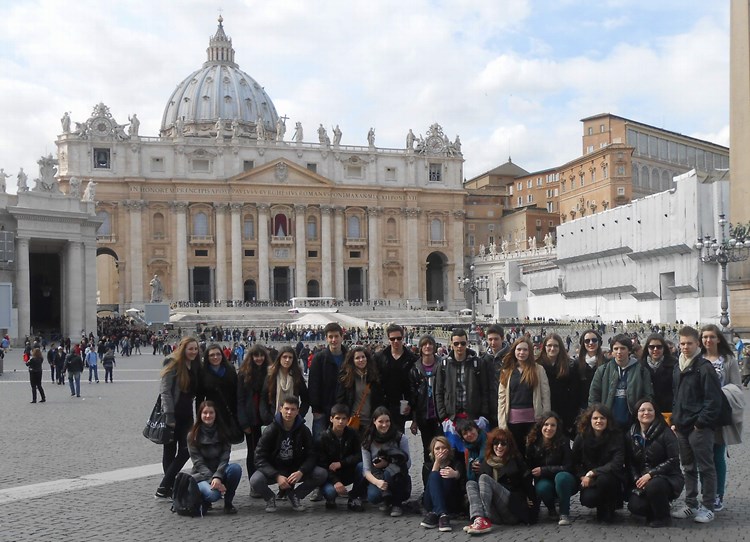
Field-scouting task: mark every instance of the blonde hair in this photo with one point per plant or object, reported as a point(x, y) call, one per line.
point(176, 363)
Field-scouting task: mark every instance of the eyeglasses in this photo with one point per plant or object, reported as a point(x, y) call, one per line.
point(656, 347)
point(500, 443)
point(214, 355)
point(459, 343)
point(395, 339)
point(591, 341)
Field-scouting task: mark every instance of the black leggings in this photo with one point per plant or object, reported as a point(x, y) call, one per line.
point(653, 502)
point(176, 453)
point(251, 439)
point(36, 384)
point(604, 495)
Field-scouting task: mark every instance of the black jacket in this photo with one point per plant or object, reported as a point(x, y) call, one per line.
point(323, 381)
point(491, 366)
point(603, 455)
point(551, 461)
point(249, 398)
point(222, 390)
point(445, 387)
point(394, 376)
point(271, 453)
point(697, 396)
point(74, 363)
point(661, 379)
point(347, 450)
point(420, 383)
point(563, 395)
point(347, 396)
point(657, 455)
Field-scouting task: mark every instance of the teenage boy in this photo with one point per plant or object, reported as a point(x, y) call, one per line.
point(492, 362)
point(324, 374)
point(459, 390)
point(339, 451)
point(695, 416)
point(394, 364)
point(285, 456)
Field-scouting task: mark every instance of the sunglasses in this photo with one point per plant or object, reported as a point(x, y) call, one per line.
point(395, 339)
point(500, 443)
point(656, 347)
point(590, 341)
point(459, 343)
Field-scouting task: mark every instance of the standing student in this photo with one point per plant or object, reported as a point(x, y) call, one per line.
point(394, 363)
point(523, 395)
point(35, 364)
point(657, 358)
point(251, 379)
point(360, 387)
point(179, 382)
point(590, 357)
point(323, 380)
point(218, 384)
point(108, 362)
point(423, 407)
point(492, 361)
point(563, 380)
point(459, 390)
point(284, 379)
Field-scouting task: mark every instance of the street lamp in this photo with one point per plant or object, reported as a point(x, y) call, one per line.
point(473, 286)
point(735, 248)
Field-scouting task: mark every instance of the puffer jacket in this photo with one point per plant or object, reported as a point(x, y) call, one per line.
point(657, 454)
point(209, 454)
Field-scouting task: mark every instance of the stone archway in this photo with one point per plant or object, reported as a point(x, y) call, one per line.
point(107, 277)
point(436, 278)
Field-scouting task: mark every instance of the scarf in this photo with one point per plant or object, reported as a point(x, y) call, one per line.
point(391, 435)
point(495, 461)
point(284, 386)
point(686, 362)
point(591, 361)
point(208, 434)
point(653, 364)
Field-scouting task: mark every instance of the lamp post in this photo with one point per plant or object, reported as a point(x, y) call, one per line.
point(473, 285)
point(735, 248)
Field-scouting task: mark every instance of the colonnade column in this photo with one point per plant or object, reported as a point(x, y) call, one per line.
point(220, 276)
point(325, 249)
point(373, 253)
point(458, 255)
point(412, 253)
point(238, 290)
point(263, 283)
point(136, 250)
point(338, 251)
point(89, 257)
point(74, 289)
point(300, 258)
point(23, 288)
point(182, 293)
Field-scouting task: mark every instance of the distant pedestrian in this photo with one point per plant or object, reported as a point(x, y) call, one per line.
point(74, 368)
point(108, 361)
point(91, 361)
point(35, 364)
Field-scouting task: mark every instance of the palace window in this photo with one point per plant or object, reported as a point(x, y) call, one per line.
point(436, 230)
point(248, 228)
point(353, 230)
point(105, 228)
point(200, 224)
point(102, 158)
point(312, 228)
point(436, 173)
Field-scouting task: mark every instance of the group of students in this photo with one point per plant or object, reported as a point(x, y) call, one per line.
point(623, 449)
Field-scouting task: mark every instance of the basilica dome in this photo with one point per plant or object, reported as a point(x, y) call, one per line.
point(219, 91)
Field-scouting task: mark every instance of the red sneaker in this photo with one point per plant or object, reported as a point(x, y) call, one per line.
point(480, 526)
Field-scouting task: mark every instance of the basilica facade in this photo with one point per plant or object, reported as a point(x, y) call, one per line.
point(225, 205)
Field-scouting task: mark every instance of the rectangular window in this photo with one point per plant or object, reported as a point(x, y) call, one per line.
point(471, 227)
point(549, 206)
point(354, 172)
point(7, 246)
point(201, 253)
point(354, 254)
point(539, 181)
point(312, 167)
point(490, 227)
point(436, 173)
point(520, 186)
point(247, 165)
point(490, 239)
point(471, 240)
point(620, 190)
point(201, 166)
point(538, 223)
point(621, 170)
point(530, 198)
point(101, 159)
point(601, 128)
point(589, 148)
point(249, 253)
point(390, 174)
point(519, 202)
point(529, 183)
point(551, 224)
point(157, 165)
point(590, 131)
point(312, 253)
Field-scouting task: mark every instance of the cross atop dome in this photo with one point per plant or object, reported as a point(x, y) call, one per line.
point(220, 50)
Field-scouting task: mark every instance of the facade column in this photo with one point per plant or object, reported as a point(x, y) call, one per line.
point(221, 252)
point(263, 240)
point(74, 289)
point(238, 290)
point(373, 250)
point(23, 288)
point(338, 251)
point(412, 254)
point(300, 259)
point(458, 256)
point(181, 241)
point(136, 251)
point(89, 252)
point(325, 250)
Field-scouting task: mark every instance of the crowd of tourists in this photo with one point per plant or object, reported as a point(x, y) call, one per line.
point(504, 433)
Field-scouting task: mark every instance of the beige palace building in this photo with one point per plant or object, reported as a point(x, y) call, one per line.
point(224, 205)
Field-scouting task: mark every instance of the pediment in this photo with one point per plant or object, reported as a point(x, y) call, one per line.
point(280, 172)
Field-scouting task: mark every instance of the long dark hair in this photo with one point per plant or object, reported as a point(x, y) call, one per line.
point(349, 370)
point(294, 371)
point(665, 347)
point(723, 346)
point(600, 360)
point(193, 435)
point(560, 438)
point(248, 368)
point(563, 360)
point(372, 430)
point(584, 419)
point(214, 346)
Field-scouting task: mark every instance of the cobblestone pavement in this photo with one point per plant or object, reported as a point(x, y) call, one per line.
point(62, 479)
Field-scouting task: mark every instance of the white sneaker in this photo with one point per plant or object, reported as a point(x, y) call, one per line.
point(704, 515)
point(684, 512)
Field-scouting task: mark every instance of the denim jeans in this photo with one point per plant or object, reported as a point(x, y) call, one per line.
point(399, 488)
point(720, 462)
point(319, 425)
point(352, 476)
point(562, 487)
point(95, 370)
point(441, 494)
point(232, 476)
point(259, 482)
point(74, 379)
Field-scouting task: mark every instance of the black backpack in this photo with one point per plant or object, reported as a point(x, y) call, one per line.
point(187, 499)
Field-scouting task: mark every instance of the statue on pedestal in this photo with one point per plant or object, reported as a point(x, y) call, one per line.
point(23, 185)
point(3, 176)
point(371, 137)
point(90, 192)
point(336, 136)
point(298, 134)
point(65, 121)
point(156, 289)
point(135, 124)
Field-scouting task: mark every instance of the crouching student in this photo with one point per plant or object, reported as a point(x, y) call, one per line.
point(284, 456)
point(445, 485)
point(209, 450)
point(339, 452)
point(385, 463)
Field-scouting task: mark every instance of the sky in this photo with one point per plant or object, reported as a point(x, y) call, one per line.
point(513, 78)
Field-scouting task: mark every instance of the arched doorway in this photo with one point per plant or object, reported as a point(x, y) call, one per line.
point(435, 278)
point(251, 290)
point(313, 288)
point(107, 277)
point(281, 284)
